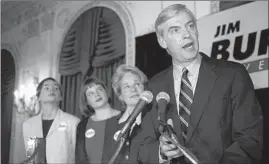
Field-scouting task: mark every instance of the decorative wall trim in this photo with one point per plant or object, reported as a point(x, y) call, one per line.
point(15, 13)
point(17, 58)
point(126, 19)
point(62, 18)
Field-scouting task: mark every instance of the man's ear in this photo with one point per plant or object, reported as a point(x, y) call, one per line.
point(161, 41)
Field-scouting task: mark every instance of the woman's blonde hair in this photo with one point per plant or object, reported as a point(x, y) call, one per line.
point(121, 71)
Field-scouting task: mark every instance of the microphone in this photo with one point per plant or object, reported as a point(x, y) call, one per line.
point(163, 100)
point(145, 98)
point(187, 153)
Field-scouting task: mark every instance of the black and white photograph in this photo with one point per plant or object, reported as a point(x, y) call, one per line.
point(134, 82)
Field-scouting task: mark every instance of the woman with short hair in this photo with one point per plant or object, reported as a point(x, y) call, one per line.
point(128, 83)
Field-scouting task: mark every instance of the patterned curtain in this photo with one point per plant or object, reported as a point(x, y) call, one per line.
point(94, 46)
point(70, 93)
point(69, 57)
point(77, 48)
point(109, 52)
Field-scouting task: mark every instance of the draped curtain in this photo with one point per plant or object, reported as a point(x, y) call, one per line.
point(70, 93)
point(77, 48)
point(94, 46)
point(109, 52)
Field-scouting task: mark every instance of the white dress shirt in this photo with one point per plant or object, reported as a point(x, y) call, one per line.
point(193, 72)
point(125, 116)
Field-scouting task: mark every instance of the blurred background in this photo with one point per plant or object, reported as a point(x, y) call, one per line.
point(71, 40)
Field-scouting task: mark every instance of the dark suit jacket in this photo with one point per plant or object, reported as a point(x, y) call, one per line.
point(226, 121)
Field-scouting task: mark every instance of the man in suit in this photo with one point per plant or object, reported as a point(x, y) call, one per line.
point(212, 106)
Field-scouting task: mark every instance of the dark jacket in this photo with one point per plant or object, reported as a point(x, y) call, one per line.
point(225, 121)
point(130, 151)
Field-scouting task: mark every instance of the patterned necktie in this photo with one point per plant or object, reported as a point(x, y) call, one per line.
point(185, 101)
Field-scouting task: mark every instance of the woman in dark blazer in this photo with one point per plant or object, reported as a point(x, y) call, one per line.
point(128, 83)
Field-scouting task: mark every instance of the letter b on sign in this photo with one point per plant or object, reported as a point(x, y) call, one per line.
point(219, 48)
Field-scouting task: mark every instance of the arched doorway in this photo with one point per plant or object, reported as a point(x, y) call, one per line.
point(94, 45)
point(7, 89)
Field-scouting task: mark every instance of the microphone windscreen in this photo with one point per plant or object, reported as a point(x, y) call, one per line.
point(163, 95)
point(146, 96)
point(170, 122)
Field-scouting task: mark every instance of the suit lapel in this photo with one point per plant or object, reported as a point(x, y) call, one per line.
point(37, 127)
point(56, 122)
point(205, 84)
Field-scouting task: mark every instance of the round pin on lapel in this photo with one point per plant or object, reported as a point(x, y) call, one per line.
point(90, 133)
point(62, 126)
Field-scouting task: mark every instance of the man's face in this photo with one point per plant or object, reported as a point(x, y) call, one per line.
point(180, 37)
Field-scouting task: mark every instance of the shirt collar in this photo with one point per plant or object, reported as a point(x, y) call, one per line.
point(193, 68)
point(125, 116)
